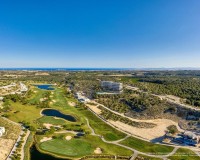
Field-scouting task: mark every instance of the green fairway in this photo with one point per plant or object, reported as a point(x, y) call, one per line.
point(111, 149)
point(72, 148)
point(100, 127)
point(35, 98)
point(51, 120)
point(184, 154)
point(146, 147)
point(81, 147)
point(28, 113)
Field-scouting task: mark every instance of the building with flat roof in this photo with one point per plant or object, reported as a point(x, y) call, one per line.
point(111, 86)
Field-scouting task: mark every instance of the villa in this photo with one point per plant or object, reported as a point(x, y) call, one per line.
point(2, 131)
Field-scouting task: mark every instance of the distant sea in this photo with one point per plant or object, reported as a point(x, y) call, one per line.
point(65, 69)
point(97, 69)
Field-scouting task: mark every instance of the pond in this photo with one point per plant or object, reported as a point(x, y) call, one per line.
point(36, 155)
point(45, 86)
point(56, 113)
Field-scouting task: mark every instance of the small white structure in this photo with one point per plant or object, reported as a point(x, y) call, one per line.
point(2, 131)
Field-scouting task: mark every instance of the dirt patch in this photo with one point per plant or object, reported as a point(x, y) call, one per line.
point(147, 133)
point(98, 150)
point(5, 147)
point(94, 108)
point(44, 139)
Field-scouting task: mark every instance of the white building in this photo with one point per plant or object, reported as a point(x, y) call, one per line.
point(112, 86)
point(23, 87)
point(81, 98)
point(2, 131)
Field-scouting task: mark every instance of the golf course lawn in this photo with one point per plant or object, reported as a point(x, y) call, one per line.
point(28, 113)
point(35, 98)
point(184, 154)
point(100, 127)
point(70, 148)
point(146, 147)
point(77, 147)
point(51, 120)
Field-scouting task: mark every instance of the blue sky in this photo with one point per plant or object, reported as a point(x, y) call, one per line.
point(100, 33)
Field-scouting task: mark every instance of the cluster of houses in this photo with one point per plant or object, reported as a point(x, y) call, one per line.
point(2, 131)
point(187, 138)
point(13, 88)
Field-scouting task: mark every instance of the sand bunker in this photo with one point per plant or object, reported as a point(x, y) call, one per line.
point(98, 150)
point(48, 125)
point(68, 138)
point(44, 139)
point(73, 104)
point(43, 99)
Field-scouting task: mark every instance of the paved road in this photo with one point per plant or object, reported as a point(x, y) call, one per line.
point(134, 155)
point(136, 152)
